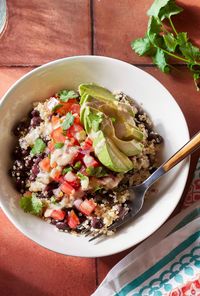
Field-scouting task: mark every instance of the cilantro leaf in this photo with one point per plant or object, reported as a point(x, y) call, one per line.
point(31, 204)
point(161, 61)
point(65, 95)
point(182, 38)
point(58, 145)
point(142, 46)
point(68, 121)
point(153, 30)
point(66, 170)
point(56, 107)
point(155, 8)
point(77, 165)
point(190, 51)
point(84, 181)
point(25, 203)
point(38, 147)
point(98, 172)
point(164, 9)
point(170, 42)
point(94, 120)
point(37, 205)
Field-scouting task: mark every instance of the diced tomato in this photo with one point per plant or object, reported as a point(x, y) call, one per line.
point(57, 135)
point(89, 161)
point(51, 145)
point(73, 220)
point(58, 215)
point(67, 188)
point(87, 206)
point(73, 142)
point(87, 145)
point(54, 165)
point(54, 120)
point(75, 128)
point(45, 164)
point(75, 108)
point(55, 174)
point(66, 107)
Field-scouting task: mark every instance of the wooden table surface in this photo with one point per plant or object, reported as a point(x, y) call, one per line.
point(38, 32)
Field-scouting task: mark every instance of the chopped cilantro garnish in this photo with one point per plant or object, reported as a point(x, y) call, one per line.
point(113, 119)
point(38, 147)
point(96, 171)
point(68, 121)
point(55, 108)
point(58, 145)
point(53, 200)
point(94, 120)
point(66, 170)
point(84, 181)
point(77, 165)
point(65, 95)
point(31, 204)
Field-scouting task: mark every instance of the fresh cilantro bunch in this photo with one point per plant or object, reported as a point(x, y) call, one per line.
point(160, 43)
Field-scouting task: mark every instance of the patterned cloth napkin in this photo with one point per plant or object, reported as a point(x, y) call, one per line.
point(168, 262)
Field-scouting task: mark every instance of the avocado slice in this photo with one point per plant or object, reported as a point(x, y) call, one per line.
point(124, 124)
point(96, 91)
point(130, 148)
point(109, 155)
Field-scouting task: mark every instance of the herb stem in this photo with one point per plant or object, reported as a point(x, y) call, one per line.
point(175, 56)
point(172, 25)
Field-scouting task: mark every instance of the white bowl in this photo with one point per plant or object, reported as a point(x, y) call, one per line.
point(115, 75)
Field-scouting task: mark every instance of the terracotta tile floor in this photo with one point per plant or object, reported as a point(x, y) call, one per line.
point(40, 31)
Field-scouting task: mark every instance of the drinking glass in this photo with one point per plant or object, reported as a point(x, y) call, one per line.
point(3, 15)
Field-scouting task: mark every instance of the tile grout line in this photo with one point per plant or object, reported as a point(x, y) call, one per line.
point(92, 49)
point(96, 272)
point(92, 26)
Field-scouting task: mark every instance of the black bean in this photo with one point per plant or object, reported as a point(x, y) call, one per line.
point(62, 226)
point(53, 221)
point(96, 223)
point(51, 186)
point(156, 137)
point(20, 185)
point(40, 195)
point(28, 163)
point(35, 113)
point(25, 152)
point(35, 121)
point(39, 158)
point(21, 128)
point(35, 170)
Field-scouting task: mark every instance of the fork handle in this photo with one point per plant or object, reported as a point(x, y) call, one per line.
point(186, 150)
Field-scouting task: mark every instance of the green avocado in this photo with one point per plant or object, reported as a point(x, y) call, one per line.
point(96, 91)
point(130, 148)
point(109, 155)
point(111, 126)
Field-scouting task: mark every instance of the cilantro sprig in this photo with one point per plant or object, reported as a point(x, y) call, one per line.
point(65, 95)
point(31, 204)
point(162, 43)
point(68, 121)
point(38, 147)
